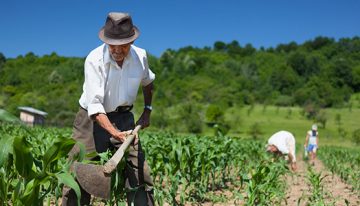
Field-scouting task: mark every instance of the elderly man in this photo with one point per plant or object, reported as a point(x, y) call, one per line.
point(113, 73)
point(283, 143)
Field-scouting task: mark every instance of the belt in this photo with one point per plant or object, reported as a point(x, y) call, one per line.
point(122, 109)
point(119, 109)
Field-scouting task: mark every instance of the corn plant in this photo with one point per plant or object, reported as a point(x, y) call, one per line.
point(343, 162)
point(317, 187)
point(264, 184)
point(33, 167)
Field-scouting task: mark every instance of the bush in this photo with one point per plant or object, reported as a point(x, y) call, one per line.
point(284, 100)
point(321, 118)
point(191, 118)
point(221, 128)
point(356, 136)
point(255, 130)
point(310, 110)
point(214, 114)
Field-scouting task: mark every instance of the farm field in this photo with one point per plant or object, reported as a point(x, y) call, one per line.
point(188, 170)
point(271, 119)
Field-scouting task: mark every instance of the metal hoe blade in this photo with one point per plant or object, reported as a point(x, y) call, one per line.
point(93, 179)
point(96, 179)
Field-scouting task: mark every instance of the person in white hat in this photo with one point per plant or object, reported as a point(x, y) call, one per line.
point(312, 142)
point(283, 143)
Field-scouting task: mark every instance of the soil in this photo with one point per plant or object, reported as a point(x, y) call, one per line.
point(335, 189)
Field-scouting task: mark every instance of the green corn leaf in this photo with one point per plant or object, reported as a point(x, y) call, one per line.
point(17, 191)
point(23, 158)
point(8, 117)
point(68, 180)
point(6, 148)
point(3, 190)
point(82, 152)
point(58, 150)
point(31, 193)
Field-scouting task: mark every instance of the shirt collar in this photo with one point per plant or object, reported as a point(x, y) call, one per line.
point(108, 60)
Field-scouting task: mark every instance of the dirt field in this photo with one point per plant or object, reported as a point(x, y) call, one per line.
point(336, 190)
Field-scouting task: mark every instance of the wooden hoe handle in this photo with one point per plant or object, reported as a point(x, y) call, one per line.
point(110, 165)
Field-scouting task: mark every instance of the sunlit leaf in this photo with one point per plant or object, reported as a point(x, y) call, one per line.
point(8, 117)
point(58, 150)
point(23, 157)
point(6, 148)
point(68, 180)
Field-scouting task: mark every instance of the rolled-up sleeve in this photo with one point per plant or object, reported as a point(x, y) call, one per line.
point(148, 75)
point(94, 88)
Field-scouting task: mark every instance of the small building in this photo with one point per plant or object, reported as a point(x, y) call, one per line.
point(31, 116)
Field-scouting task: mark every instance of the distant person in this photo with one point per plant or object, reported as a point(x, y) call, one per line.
point(283, 143)
point(312, 142)
point(113, 73)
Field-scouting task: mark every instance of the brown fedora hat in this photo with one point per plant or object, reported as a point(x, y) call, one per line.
point(118, 29)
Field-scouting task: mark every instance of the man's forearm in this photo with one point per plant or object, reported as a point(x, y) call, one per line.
point(306, 140)
point(104, 122)
point(148, 93)
point(291, 157)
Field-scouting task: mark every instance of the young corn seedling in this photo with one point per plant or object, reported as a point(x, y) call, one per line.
point(317, 194)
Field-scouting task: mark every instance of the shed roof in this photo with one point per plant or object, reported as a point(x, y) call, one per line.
point(32, 110)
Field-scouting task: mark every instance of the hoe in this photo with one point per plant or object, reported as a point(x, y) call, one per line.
point(96, 179)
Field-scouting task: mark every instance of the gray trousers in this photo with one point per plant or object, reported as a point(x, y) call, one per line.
point(136, 172)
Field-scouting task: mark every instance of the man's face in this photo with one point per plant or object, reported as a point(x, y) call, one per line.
point(272, 149)
point(119, 52)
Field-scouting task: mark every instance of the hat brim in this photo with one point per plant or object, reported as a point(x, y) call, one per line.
point(110, 41)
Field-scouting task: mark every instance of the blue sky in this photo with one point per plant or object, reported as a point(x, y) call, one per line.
point(70, 27)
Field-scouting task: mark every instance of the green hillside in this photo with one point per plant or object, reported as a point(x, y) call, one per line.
point(224, 86)
point(272, 119)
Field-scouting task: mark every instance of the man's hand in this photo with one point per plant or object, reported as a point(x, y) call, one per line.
point(293, 166)
point(136, 139)
point(121, 135)
point(144, 119)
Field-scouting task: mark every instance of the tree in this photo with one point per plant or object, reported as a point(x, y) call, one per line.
point(305, 65)
point(341, 73)
point(310, 110)
point(190, 115)
point(219, 46)
point(284, 80)
point(356, 78)
point(356, 136)
point(321, 117)
point(318, 43)
point(255, 131)
point(2, 60)
point(292, 46)
point(214, 114)
point(234, 48)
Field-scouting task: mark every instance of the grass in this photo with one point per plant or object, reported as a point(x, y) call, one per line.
point(272, 119)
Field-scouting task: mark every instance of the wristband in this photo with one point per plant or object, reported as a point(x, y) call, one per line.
point(148, 107)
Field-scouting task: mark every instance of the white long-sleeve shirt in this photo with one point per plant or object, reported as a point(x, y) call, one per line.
point(107, 85)
point(285, 142)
